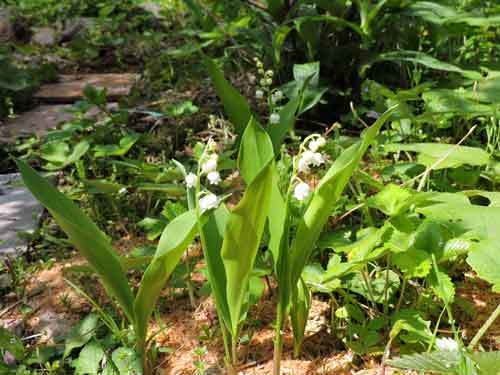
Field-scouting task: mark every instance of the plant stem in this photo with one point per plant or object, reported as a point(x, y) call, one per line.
point(234, 353)
point(386, 286)
point(479, 335)
point(401, 296)
point(278, 341)
point(369, 288)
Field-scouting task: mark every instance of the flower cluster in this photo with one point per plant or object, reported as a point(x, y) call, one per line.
point(264, 91)
point(208, 167)
point(311, 157)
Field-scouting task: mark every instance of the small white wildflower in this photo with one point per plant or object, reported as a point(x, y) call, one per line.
point(263, 82)
point(309, 158)
point(208, 202)
point(373, 114)
point(190, 180)
point(447, 344)
point(316, 144)
point(274, 118)
point(269, 81)
point(210, 165)
point(303, 166)
point(214, 178)
point(276, 97)
point(259, 94)
point(269, 73)
point(301, 191)
point(317, 159)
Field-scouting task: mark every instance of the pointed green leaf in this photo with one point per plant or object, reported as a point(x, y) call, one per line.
point(235, 105)
point(176, 237)
point(84, 235)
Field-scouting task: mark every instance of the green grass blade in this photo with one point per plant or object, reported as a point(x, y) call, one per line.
point(176, 237)
point(84, 235)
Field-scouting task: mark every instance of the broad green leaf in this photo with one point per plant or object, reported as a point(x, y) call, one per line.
point(442, 286)
point(448, 156)
point(326, 196)
point(176, 237)
point(88, 362)
point(173, 190)
point(414, 328)
point(426, 60)
point(446, 101)
point(484, 258)
point(120, 149)
point(278, 132)
point(235, 105)
point(313, 275)
point(438, 362)
point(378, 285)
point(275, 7)
point(256, 151)
point(102, 186)
point(246, 223)
point(413, 262)
point(392, 200)
point(212, 235)
point(336, 21)
point(440, 14)
point(82, 333)
point(279, 38)
point(59, 155)
point(242, 239)
point(461, 218)
point(299, 312)
point(127, 361)
point(84, 235)
point(487, 362)
point(185, 108)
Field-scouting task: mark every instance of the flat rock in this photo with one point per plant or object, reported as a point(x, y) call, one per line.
point(70, 87)
point(19, 212)
point(44, 36)
point(40, 120)
point(36, 121)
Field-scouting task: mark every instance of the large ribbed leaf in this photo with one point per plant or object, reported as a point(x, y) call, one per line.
point(449, 156)
point(177, 235)
point(84, 235)
point(212, 236)
point(246, 223)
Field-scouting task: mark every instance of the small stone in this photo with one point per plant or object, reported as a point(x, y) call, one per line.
point(5, 281)
point(52, 327)
point(76, 27)
point(153, 8)
point(6, 25)
point(15, 326)
point(45, 36)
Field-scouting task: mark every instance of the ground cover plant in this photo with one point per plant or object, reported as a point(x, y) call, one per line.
point(304, 187)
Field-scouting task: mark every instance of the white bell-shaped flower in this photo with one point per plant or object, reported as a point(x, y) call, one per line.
point(190, 180)
point(301, 191)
